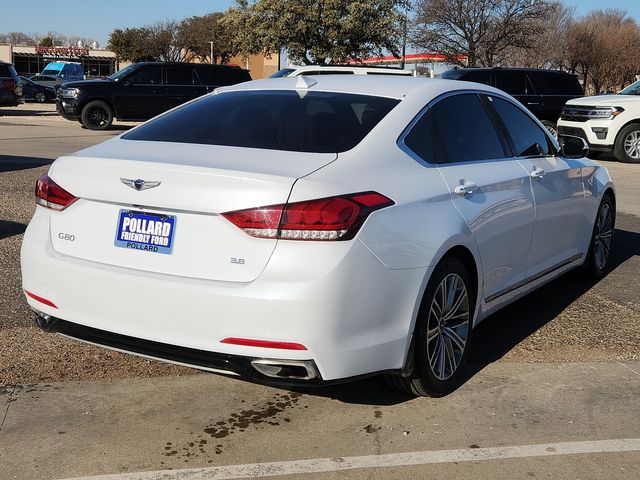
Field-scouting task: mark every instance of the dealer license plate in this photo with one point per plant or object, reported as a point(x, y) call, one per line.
point(147, 232)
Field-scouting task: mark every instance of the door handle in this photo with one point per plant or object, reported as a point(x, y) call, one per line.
point(538, 173)
point(465, 189)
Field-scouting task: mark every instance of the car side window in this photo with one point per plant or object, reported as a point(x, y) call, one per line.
point(146, 75)
point(180, 75)
point(514, 83)
point(527, 136)
point(456, 129)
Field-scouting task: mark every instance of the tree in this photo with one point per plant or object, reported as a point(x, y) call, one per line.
point(318, 31)
point(17, 38)
point(483, 30)
point(133, 44)
point(156, 42)
point(598, 47)
point(547, 48)
point(195, 33)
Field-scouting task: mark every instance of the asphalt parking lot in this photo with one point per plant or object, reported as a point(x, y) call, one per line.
point(552, 393)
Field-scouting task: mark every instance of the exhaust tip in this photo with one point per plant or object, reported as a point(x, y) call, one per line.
point(286, 369)
point(44, 322)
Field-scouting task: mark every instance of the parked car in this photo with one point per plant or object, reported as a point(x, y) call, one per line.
point(311, 230)
point(608, 123)
point(544, 92)
point(10, 89)
point(36, 92)
point(296, 70)
point(65, 71)
point(141, 91)
point(47, 81)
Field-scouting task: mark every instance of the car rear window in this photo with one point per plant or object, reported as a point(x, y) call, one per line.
point(319, 122)
point(7, 70)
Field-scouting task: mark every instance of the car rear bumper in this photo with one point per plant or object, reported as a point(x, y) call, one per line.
point(353, 314)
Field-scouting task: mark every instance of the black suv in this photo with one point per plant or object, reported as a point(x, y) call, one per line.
point(543, 92)
point(10, 89)
point(141, 91)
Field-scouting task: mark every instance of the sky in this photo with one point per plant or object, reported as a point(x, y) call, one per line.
point(97, 18)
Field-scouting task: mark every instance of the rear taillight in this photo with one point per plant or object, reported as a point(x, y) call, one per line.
point(333, 218)
point(51, 195)
point(10, 85)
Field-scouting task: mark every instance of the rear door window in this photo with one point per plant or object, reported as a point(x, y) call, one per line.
point(514, 83)
point(179, 75)
point(457, 129)
point(147, 75)
point(528, 138)
point(318, 122)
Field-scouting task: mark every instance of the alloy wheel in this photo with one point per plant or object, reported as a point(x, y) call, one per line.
point(603, 236)
point(448, 326)
point(632, 145)
point(98, 116)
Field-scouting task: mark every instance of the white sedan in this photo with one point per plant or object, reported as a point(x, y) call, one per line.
point(314, 229)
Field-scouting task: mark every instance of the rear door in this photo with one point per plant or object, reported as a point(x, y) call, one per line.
point(555, 90)
point(182, 84)
point(516, 84)
point(142, 94)
point(490, 190)
point(557, 189)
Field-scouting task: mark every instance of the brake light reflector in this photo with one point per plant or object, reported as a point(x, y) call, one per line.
point(51, 195)
point(40, 299)
point(246, 342)
point(332, 218)
point(10, 85)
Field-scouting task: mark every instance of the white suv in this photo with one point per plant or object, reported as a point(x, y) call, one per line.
point(609, 123)
point(296, 70)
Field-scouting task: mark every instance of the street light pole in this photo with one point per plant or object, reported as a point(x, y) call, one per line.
point(211, 54)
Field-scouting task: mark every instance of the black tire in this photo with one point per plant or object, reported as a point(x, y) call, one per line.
point(627, 146)
point(427, 379)
point(552, 127)
point(40, 97)
point(97, 115)
point(601, 238)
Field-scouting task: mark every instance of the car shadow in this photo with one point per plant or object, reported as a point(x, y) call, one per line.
point(9, 228)
point(499, 333)
point(11, 163)
point(26, 112)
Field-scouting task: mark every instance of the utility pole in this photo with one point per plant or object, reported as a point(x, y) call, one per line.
point(211, 54)
point(404, 40)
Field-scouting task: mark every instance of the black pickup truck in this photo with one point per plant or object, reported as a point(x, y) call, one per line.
point(141, 91)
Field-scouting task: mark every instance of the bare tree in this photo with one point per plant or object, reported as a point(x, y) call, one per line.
point(17, 38)
point(546, 48)
point(485, 31)
point(598, 48)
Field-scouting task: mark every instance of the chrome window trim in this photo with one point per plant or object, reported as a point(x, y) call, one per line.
point(400, 142)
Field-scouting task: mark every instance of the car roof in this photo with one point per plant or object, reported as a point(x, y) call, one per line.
point(508, 69)
point(391, 86)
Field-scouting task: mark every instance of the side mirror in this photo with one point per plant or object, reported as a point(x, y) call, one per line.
point(573, 147)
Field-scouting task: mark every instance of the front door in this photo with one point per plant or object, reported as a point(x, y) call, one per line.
point(557, 190)
point(490, 189)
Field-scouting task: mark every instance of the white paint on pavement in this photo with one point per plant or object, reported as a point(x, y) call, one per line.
point(319, 465)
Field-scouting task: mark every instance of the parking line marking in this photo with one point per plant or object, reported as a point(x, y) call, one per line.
point(320, 465)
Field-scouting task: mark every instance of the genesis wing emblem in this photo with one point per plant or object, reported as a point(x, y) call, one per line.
point(139, 184)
